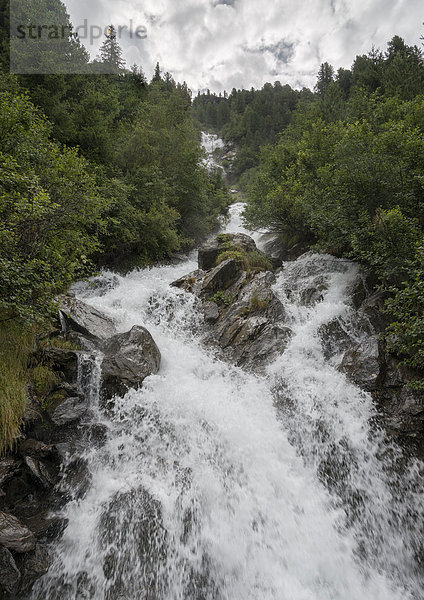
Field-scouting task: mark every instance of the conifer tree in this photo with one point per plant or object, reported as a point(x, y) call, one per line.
point(111, 52)
point(157, 74)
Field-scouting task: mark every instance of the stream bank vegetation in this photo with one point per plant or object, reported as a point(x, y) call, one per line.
point(344, 174)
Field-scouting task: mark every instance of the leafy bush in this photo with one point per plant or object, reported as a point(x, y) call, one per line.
point(222, 298)
point(406, 333)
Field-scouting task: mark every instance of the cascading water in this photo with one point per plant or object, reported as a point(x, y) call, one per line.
point(210, 143)
point(213, 483)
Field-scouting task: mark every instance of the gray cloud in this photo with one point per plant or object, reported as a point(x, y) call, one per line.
point(226, 2)
point(283, 50)
point(242, 43)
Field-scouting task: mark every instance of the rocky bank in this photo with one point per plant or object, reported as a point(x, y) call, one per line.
point(35, 480)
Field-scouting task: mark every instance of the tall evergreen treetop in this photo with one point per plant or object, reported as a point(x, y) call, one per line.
point(111, 52)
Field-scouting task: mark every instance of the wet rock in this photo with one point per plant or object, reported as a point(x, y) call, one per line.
point(46, 526)
point(41, 471)
point(14, 535)
point(246, 316)
point(37, 449)
point(313, 293)
point(32, 566)
point(84, 319)
point(209, 252)
point(10, 576)
point(69, 411)
point(403, 414)
point(336, 338)
point(221, 277)
point(62, 361)
point(252, 328)
point(191, 282)
point(128, 359)
point(211, 312)
point(273, 248)
point(42, 461)
point(9, 467)
point(372, 308)
point(34, 413)
point(135, 518)
point(362, 364)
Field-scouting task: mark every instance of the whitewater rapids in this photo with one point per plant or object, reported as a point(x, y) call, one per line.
point(216, 484)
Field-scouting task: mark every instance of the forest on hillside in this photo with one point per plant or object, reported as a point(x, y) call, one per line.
point(341, 170)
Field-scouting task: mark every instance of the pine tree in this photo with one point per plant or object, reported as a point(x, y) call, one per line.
point(325, 77)
point(157, 74)
point(111, 52)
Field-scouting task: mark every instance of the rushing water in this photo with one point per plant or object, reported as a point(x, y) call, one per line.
point(214, 483)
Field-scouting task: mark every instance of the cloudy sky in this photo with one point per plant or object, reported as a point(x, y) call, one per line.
point(221, 44)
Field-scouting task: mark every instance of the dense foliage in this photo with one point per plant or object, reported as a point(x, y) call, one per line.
point(95, 169)
point(347, 175)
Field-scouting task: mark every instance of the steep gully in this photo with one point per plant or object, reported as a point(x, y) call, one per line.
point(216, 482)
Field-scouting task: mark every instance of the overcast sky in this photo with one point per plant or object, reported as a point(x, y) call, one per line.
point(221, 44)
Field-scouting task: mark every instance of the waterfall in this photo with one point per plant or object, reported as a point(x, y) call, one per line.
point(212, 483)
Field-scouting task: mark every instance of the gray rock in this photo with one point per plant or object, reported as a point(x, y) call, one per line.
point(372, 308)
point(209, 252)
point(8, 468)
point(63, 361)
point(362, 364)
point(14, 535)
point(98, 285)
point(248, 321)
point(252, 329)
point(84, 319)
point(32, 566)
point(211, 312)
point(69, 411)
point(9, 574)
point(191, 282)
point(128, 359)
point(221, 278)
point(40, 472)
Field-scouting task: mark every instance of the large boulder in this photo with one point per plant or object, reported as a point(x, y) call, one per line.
point(85, 320)
point(221, 278)
point(128, 359)
point(246, 319)
point(14, 535)
point(209, 252)
point(251, 330)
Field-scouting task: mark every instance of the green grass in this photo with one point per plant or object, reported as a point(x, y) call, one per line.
point(16, 346)
point(249, 261)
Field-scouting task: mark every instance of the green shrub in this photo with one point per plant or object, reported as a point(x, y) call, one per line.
point(237, 255)
point(222, 298)
point(405, 335)
point(258, 261)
